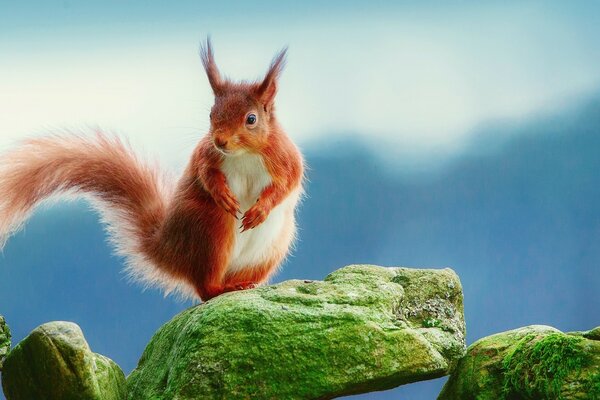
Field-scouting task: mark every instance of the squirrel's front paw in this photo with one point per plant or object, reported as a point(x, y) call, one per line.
point(255, 216)
point(226, 200)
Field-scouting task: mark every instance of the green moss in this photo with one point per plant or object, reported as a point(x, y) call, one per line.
point(593, 334)
point(307, 340)
point(54, 362)
point(529, 363)
point(4, 340)
point(593, 387)
point(539, 370)
point(309, 288)
point(431, 323)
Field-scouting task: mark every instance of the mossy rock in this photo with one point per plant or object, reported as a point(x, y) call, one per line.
point(4, 340)
point(363, 328)
point(534, 362)
point(55, 363)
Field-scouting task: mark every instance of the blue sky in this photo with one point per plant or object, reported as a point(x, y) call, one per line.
point(417, 78)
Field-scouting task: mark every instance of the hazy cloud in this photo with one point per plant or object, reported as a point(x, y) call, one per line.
point(420, 77)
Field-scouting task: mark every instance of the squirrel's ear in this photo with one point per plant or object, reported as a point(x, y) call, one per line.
point(267, 89)
point(208, 60)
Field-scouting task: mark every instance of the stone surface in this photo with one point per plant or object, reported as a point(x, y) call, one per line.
point(55, 362)
point(363, 328)
point(534, 362)
point(4, 340)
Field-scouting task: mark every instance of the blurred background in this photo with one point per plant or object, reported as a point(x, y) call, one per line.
point(463, 135)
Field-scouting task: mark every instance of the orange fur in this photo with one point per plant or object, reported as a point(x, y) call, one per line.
point(182, 236)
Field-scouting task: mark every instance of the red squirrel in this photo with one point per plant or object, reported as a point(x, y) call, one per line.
point(226, 225)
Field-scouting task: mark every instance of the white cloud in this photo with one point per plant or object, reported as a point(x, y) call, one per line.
point(421, 80)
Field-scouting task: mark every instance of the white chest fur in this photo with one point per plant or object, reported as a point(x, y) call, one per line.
point(247, 176)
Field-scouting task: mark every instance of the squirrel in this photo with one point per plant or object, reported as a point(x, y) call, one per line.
point(225, 225)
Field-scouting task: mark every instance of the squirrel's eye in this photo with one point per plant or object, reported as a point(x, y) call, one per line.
point(251, 119)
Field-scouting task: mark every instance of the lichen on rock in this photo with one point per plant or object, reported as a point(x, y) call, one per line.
point(363, 328)
point(55, 362)
point(534, 362)
point(4, 340)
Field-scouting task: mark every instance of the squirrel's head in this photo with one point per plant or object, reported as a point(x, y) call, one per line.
point(242, 117)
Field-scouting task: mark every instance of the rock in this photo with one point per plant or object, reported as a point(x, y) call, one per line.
point(363, 328)
point(55, 362)
point(4, 340)
point(534, 362)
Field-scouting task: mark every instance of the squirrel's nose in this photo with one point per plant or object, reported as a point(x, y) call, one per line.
point(220, 142)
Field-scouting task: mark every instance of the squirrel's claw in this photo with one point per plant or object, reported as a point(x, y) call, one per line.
point(255, 216)
point(229, 203)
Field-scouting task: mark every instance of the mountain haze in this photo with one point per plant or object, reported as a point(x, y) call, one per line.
point(517, 218)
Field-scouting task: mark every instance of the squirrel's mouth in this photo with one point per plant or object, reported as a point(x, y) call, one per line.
point(230, 152)
point(222, 150)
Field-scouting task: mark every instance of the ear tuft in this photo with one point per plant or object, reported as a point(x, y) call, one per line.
point(267, 89)
point(208, 60)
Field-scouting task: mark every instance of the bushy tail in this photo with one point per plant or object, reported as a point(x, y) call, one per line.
point(131, 196)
